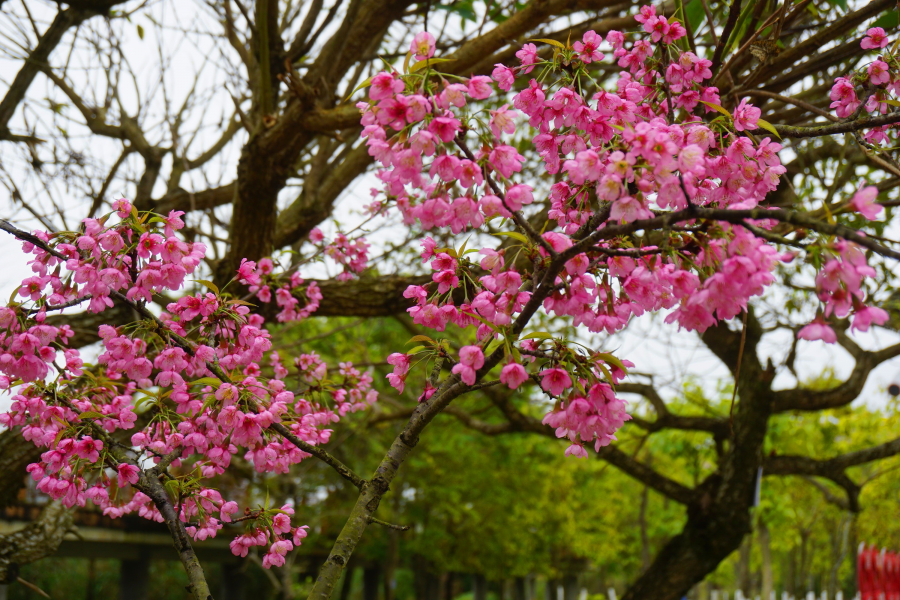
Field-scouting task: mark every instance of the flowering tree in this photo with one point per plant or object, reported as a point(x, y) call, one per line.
point(657, 200)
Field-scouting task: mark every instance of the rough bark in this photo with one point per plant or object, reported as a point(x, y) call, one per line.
point(34, 542)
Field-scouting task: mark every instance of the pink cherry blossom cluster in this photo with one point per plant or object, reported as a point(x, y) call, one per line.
point(272, 528)
point(205, 369)
point(620, 156)
point(129, 256)
point(882, 74)
point(28, 350)
point(261, 278)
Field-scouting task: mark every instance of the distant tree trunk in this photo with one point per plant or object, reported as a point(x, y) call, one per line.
point(570, 587)
point(370, 582)
point(550, 593)
point(853, 548)
point(347, 586)
point(646, 558)
point(791, 574)
point(842, 535)
point(765, 550)
point(519, 589)
point(233, 581)
point(91, 579)
point(447, 587)
point(803, 576)
point(479, 587)
point(390, 564)
point(134, 579)
point(743, 565)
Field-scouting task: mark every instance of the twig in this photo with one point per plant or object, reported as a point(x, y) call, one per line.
point(522, 223)
point(373, 520)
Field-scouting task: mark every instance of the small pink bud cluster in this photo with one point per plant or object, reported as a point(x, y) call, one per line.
point(261, 279)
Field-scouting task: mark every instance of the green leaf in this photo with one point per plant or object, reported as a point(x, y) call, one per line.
point(888, 20)
point(415, 350)
point(210, 381)
point(551, 42)
point(209, 284)
point(464, 9)
point(481, 320)
point(362, 85)
point(611, 360)
point(717, 107)
point(694, 14)
point(742, 23)
point(428, 62)
point(420, 338)
point(538, 335)
point(514, 235)
point(768, 127)
point(88, 414)
point(408, 58)
point(462, 250)
point(140, 31)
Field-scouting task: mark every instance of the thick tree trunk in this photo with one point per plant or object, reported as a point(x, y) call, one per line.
point(719, 517)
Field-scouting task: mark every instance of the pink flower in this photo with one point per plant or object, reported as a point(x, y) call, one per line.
point(528, 56)
point(128, 474)
point(503, 120)
point(299, 534)
point(422, 45)
point(878, 72)
point(173, 222)
point(866, 316)
point(480, 87)
point(818, 330)
point(506, 160)
point(400, 362)
point(471, 358)
point(385, 85)
point(587, 48)
point(576, 450)
point(863, 202)
point(122, 207)
point(228, 509)
point(746, 116)
point(518, 195)
point(513, 375)
point(875, 38)
point(556, 381)
point(616, 38)
point(504, 77)
point(277, 551)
